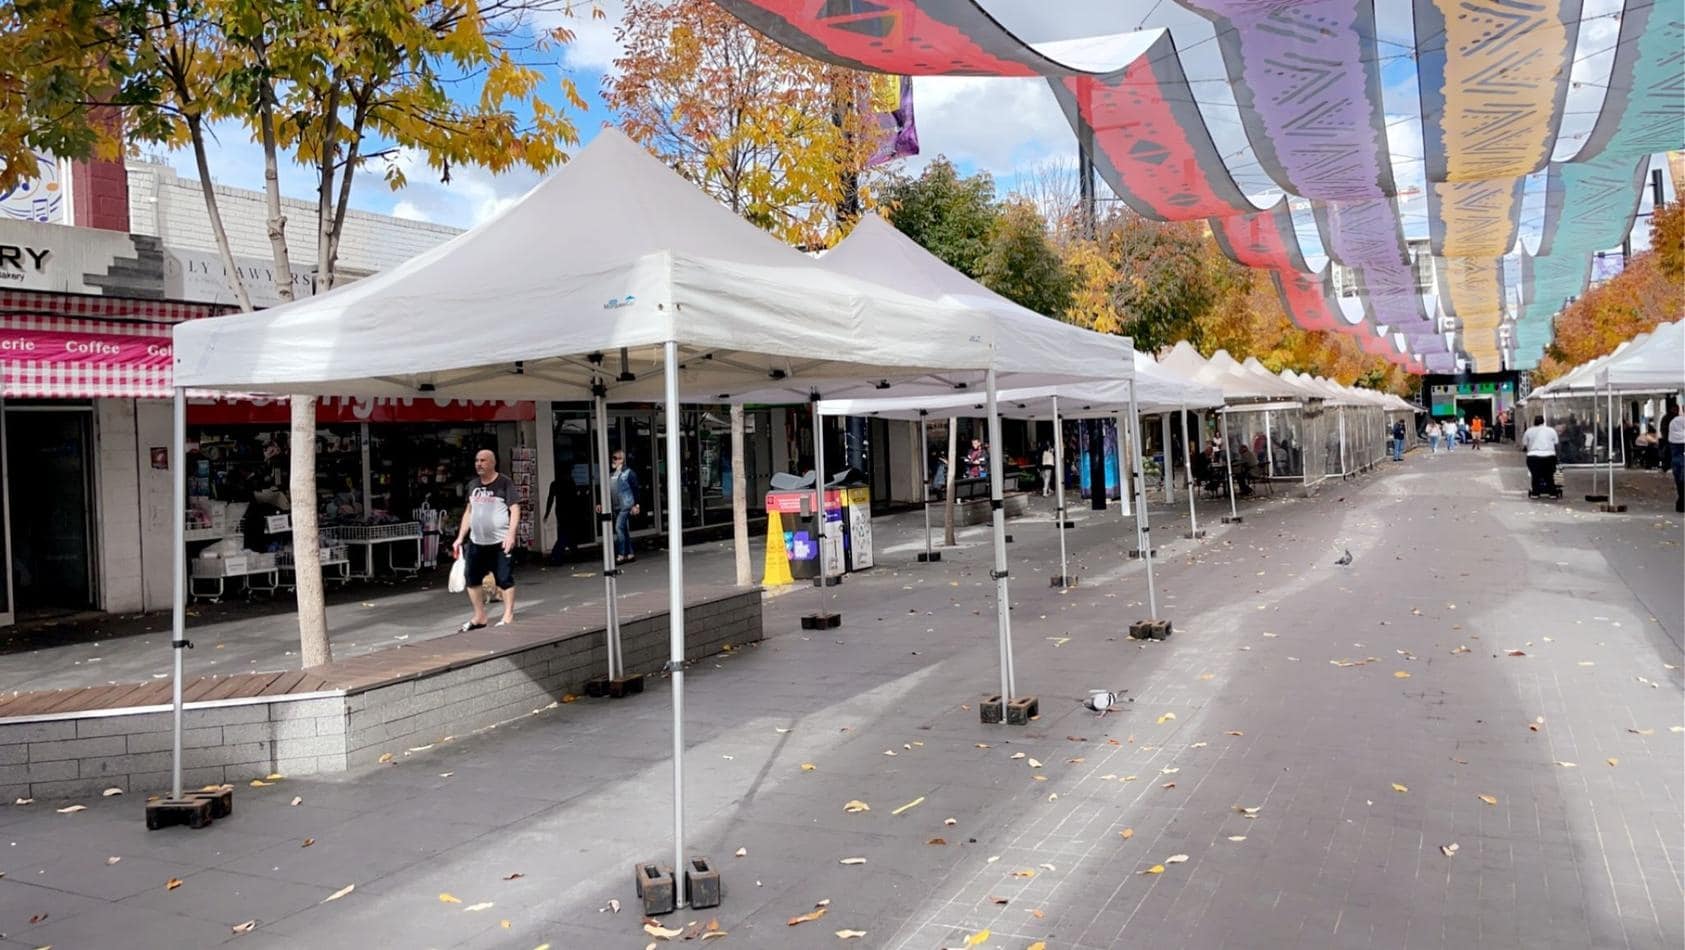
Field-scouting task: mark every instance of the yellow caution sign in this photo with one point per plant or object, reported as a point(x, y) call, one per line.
point(777, 559)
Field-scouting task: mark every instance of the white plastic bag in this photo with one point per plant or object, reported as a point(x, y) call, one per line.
point(459, 576)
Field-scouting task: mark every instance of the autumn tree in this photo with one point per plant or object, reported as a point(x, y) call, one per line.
point(332, 85)
point(776, 137)
point(948, 215)
point(1022, 265)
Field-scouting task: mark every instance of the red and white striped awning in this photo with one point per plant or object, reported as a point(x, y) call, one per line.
point(66, 346)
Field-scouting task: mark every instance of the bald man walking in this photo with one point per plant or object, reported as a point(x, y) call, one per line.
point(488, 526)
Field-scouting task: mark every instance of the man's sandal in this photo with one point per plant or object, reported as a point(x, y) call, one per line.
point(470, 625)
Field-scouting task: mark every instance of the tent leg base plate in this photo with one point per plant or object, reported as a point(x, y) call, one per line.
point(926, 557)
point(702, 883)
point(1018, 712)
point(654, 884)
point(1233, 519)
point(222, 801)
point(1612, 509)
point(1194, 535)
point(1063, 582)
point(597, 688)
point(1150, 630)
point(1135, 553)
point(617, 688)
point(1597, 498)
point(821, 621)
point(1065, 524)
point(831, 580)
point(168, 812)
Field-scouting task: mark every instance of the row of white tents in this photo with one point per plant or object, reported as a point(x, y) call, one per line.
point(1592, 403)
point(616, 281)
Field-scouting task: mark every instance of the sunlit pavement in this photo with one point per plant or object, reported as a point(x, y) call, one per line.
point(1467, 737)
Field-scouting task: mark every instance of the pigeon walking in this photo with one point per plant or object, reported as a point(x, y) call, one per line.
point(1345, 558)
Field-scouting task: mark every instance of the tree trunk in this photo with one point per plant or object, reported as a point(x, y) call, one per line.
point(739, 501)
point(948, 494)
point(313, 646)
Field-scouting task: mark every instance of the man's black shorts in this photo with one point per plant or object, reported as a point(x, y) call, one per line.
point(490, 559)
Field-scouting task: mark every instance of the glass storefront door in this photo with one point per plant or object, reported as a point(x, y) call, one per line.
point(50, 502)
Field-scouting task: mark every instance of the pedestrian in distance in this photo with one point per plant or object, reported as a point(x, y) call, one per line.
point(1676, 452)
point(1398, 440)
point(1433, 438)
point(1539, 442)
point(1477, 429)
point(623, 495)
point(1046, 469)
point(486, 538)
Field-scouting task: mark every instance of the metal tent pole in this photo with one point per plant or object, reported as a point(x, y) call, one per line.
point(1614, 433)
point(178, 580)
point(676, 613)
point(819, 502)
point(1059, 492)
point(997, 505)
point(924, 475)
point(605, 524)
point(1169, 459)
point(1125, 477)
point(1188, 471)
point(1143, 529)
point(1228, 462)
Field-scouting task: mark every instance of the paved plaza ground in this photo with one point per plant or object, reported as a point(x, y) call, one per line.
point(1490, 676)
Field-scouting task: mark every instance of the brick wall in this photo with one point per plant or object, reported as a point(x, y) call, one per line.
point(63, 758)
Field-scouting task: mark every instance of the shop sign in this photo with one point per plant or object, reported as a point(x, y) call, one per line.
point(50, 346)
point(350, 409)
point(52, 257)
point(200, 276)
point(36, 199)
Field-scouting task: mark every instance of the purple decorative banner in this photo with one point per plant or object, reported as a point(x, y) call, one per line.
point(895, 124)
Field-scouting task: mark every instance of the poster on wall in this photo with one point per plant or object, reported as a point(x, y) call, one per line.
point(40, 198)
point(859, 502)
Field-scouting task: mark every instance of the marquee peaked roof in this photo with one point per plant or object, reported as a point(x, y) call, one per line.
point(613, 252)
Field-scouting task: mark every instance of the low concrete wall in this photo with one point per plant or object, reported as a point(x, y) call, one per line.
point(235, 741)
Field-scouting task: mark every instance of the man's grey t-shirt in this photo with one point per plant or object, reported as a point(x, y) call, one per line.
point(488, 509)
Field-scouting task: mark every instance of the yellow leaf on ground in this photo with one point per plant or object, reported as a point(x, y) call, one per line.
point(483, 905)
point(1126, 833)
point(1166, 718)
point(817, 912)
point(1024, 873)
point(1034, 764)
point(274, 776)
point(1614, 761)
point(1448, 849)
point(912, 804)
point(977, 938)
point(1176, 859)
point(850, 934)
point(661, 933)
point(1569, 765)
point(260, 783)
point(1038, 945)
point(808, 766)
point(336, 895)
point(852, 861)
point(111, 792)
point(1400, 788)
point(172, 884)
point(244, 928)
point(1488, 799)
point(1401, 674)
point(449, 898)
point(856, 806)
point(72, 809)
point(386, 757)
point(1234, 732)
point(1155, 869)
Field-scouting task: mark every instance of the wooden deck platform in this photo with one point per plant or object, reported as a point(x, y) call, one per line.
point(352, 674)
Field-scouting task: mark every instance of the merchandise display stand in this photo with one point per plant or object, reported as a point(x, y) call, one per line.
point(209, 580)
point(371, 536)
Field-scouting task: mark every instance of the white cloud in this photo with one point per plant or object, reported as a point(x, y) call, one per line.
point(1000, 125)
point(594, 47)
point(409, 211)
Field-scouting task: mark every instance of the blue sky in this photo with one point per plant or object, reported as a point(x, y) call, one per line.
point(963, 117)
